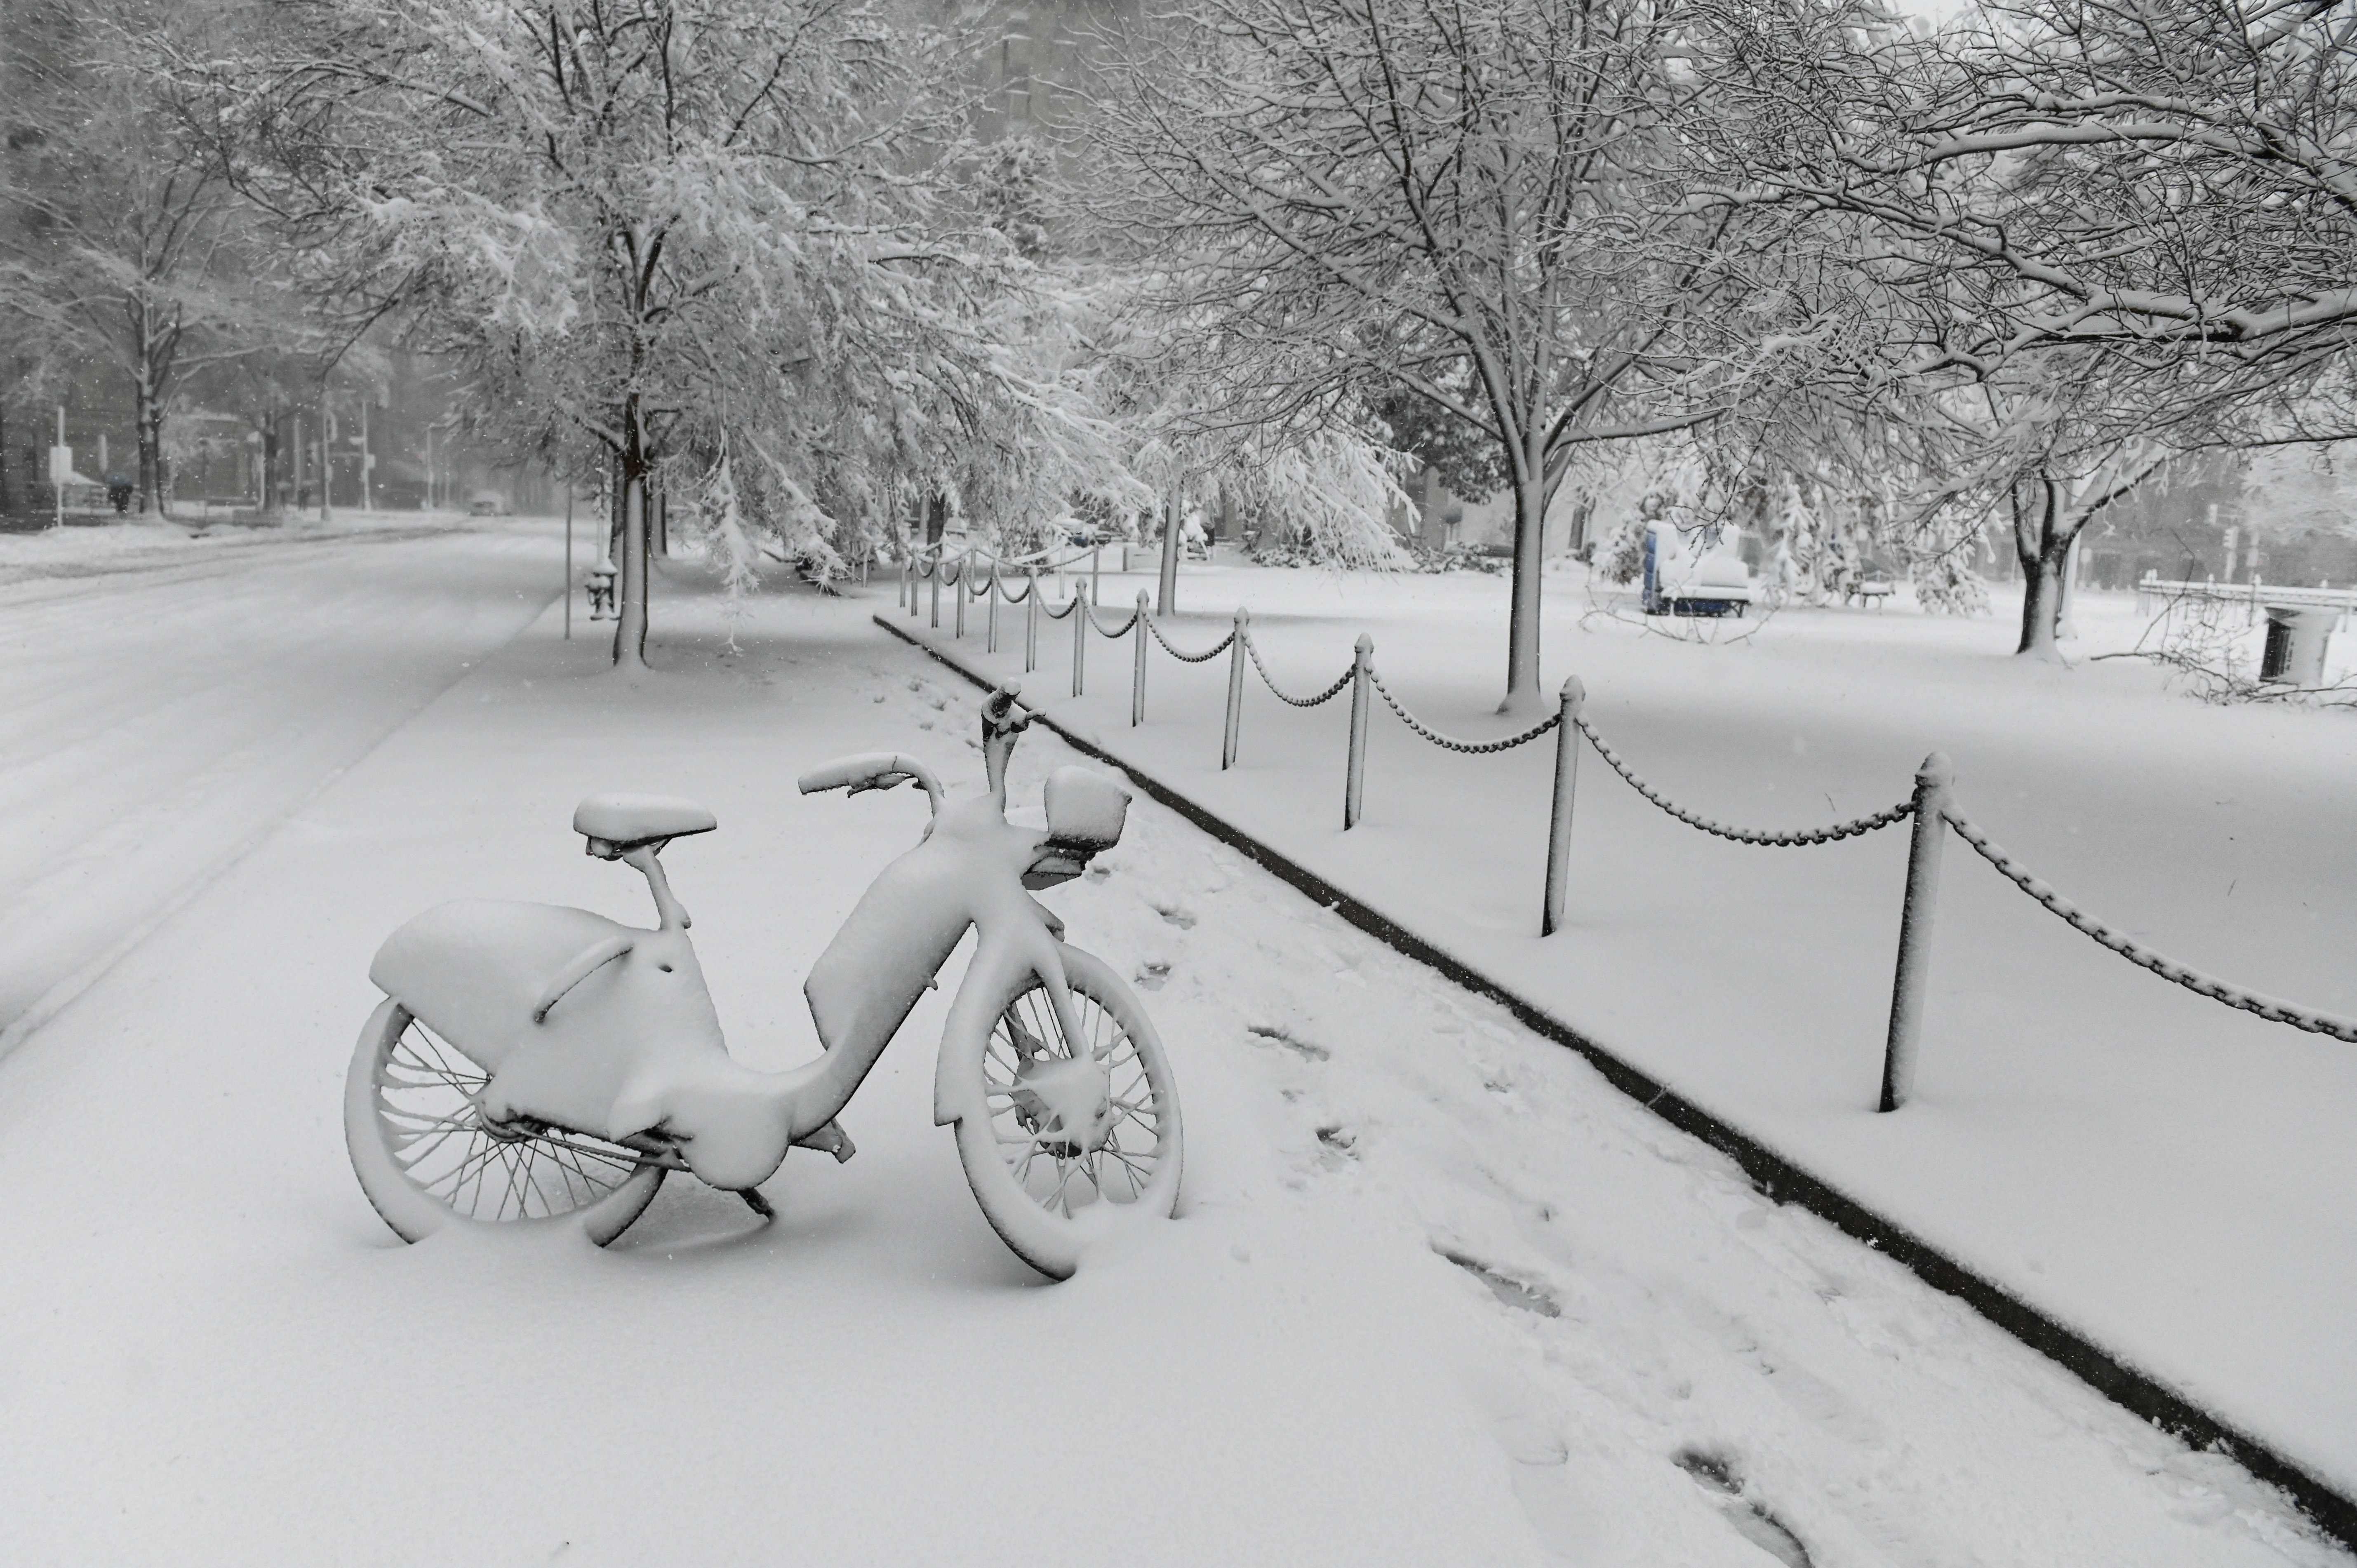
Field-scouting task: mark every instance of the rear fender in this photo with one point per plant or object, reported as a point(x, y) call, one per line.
point(475, 971)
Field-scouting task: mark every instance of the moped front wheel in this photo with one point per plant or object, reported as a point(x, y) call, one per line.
point(1075, 1139)
point(426, 1158)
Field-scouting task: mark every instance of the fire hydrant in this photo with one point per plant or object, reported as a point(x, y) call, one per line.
point(601, 590)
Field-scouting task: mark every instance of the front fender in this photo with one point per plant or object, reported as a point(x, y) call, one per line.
point(1000, 970)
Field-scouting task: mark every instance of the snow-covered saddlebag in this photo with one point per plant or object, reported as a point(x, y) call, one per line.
point(1085, 814)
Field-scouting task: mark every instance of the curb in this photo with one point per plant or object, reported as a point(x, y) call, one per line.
point(1775, 1177)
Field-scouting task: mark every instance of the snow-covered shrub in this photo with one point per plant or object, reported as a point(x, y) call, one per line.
point(1622, 557)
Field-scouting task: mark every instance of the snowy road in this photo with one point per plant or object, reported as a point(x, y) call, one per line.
point(163, 704)
point(1437, 1295)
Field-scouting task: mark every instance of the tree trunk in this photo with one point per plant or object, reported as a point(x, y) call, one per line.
point(1166, 585)
point(148, 420)
point(614, 488)
point(1523, 695)
point(2043, 545)
point(8, 490)
point(937, 516)
point(631, 620)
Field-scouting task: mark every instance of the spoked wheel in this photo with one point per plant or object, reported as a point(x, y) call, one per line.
point(1076, 1138)
point(425, 1155)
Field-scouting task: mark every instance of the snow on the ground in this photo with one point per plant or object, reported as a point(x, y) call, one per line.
point(1436, 1293)
point(165, 698)
point(2170, 1176)
point(84, 547)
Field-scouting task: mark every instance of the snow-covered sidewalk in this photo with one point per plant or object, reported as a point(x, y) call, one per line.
point(2170, 1177)
point(1437, 1294)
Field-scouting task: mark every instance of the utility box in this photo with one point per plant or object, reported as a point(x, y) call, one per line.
point(2294, 653)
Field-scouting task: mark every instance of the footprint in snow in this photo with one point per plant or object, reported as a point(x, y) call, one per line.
point(1176, 917)
point(1518, 1294)
point(1152, 976)
point(1274, 1034)
point(1338, 1147)
point(1749, 1518)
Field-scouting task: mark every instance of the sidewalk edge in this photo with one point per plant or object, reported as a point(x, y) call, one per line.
point(1776, 1178)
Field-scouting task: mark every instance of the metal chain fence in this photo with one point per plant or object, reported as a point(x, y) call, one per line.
point(1279, 693)
point(2136, 953)
point(1449, 743)
point(1123, 630)
point(1855, 826)
point(1211, 652)
point(1930, 805)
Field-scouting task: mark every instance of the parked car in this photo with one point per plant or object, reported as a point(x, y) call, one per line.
point(487, 503)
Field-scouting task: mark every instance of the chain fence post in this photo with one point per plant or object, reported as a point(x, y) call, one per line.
point(1566, 780)
point(1354, 779)
point(1137, 679)
point(1097, 564)
point(990, 637)
point(1079, 611)
point(1932, 782)
point(1031, 625)
point(1237, 654)
point(935, 575)
point(966, 571)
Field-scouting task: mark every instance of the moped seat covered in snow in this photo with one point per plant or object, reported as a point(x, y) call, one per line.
point(621, 821)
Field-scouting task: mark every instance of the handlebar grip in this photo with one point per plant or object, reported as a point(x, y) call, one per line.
point(863, 769)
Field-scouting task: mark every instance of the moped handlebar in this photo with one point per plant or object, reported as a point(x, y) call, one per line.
point(871, 770)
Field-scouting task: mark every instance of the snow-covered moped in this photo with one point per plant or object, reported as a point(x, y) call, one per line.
point(538, 1065)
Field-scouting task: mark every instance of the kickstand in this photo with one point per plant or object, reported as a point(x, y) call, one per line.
point(756, 1202)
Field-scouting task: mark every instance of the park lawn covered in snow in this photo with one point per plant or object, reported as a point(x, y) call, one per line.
point(2171, 1177)
point(1435, 1295)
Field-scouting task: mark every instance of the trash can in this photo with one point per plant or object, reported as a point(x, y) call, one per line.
point(2294, 653)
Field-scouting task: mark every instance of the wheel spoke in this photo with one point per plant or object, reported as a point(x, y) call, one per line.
point(426, 1105)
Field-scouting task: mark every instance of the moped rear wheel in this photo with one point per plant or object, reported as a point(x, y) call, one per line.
point(1075, 1139)
point(426, 1158)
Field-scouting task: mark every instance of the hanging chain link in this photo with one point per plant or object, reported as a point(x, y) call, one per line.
point(2143, 957)
point(1074, 603)
point(1211, 652)
point(1851, 829)
point(1449, 743)
point(1340, 681)
point(1132, 621)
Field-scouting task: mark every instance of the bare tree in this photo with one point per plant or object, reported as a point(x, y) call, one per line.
point(124, 245)
point(2092, 234)
point(2147, 176)
point(679, 232)
point(1472, 203)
